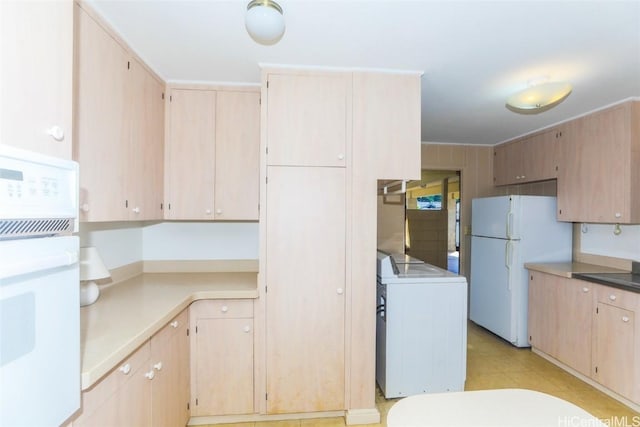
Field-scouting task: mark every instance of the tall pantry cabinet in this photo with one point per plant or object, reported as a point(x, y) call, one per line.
point(326, 140)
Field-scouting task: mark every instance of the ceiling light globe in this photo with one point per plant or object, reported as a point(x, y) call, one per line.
point(264, 21)
point(539, 97)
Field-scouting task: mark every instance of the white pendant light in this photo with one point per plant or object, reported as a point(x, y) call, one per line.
point(539, 97)
point(264, 21)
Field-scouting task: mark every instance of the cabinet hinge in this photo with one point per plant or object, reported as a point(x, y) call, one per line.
point(170, 98)
point(196, 401)
point(597, 310)
point(169, 206)
point(260, 101)
point(596, 369)
point(266, 179)
point(188, 406)
point(162, 95)
point(128, 65)
point(196, 329)
point(126, 203)
point(267, 84)
point(161, 206)
point(187, 331)
point(266, 396)
point(266, 150)
point(265, 289)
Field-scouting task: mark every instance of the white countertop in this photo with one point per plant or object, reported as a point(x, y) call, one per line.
point(128, 313)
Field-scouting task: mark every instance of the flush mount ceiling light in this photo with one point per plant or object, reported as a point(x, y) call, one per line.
point(264, 21)
point(538, 97)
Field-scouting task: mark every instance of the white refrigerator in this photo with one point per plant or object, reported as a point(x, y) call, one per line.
point(506, 233)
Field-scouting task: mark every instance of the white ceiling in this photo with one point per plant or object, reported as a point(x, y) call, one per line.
point(474, 54)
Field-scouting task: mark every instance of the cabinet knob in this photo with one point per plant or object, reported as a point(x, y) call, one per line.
point(125, 369)
point(218, 211)
point(84, 207)
point(625, 319)
point(158, 366)
point(149, 375)
point(340, 156)
point(246, 329)
point(585, 289)
point(208, 211)
point(224, 309)
point(136, 210)
point(618, 215)
point(340, 291)
point(56, 132)
point(612, 297)
point(174, 324)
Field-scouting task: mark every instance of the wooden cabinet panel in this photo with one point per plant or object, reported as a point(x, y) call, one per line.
point(615, 358)
point(101, 137)
point(145, 170)
point(237, 166)
point(123, 397)
point(190, 155)
point(308, 119)
point(596, 180)
point(508, 164)
point(224, 367)
point(540, 157)
point(386, 114)
point(36, 71)
point(170, 362)
point(542, 313)
point(305, 319)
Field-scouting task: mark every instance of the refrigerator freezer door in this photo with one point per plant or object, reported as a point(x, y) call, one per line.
point(492, 301)
point(496, 217)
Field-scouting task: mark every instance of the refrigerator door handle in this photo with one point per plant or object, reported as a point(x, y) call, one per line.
point(509, 225)
point(508, 259)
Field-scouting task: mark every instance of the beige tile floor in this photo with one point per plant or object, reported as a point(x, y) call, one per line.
point(492, 363)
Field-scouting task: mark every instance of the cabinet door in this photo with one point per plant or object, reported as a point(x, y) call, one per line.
point(170, 362)
point(101, 137)
point(507, 164)
point(190, 155)
point(614, 349)
point(305, 276)
point(144, 174)
point(224, 367)
point(36, 88)
point(237, 167)
point(575, 301)
point(543, 313)
point(539, 157)
point(308, 119)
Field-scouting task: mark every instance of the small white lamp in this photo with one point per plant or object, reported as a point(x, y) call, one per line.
point(91, 269)
point(264, 21)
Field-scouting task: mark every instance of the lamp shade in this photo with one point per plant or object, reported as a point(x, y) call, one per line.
point(264, 21)
point(91, 265)
point(539, 97)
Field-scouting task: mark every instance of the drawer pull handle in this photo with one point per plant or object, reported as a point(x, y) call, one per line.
point(149, 375)
point(174, 324)
point(158, 366)
point(125, 369)
point(625, 319)
point(224, 309)
point(612, 297)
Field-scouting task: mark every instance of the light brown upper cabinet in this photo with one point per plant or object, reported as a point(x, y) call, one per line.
point(528, 159)
point(598, 178)
point(314, 133)
point(118, 128)
point(211, 154)
point(36, 88)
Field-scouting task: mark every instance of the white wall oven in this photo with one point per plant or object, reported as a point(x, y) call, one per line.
point(39, 289)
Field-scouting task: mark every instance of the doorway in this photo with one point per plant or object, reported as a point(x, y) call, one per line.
point(432, 218)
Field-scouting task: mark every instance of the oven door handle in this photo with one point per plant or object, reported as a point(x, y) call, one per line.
point(34, 265)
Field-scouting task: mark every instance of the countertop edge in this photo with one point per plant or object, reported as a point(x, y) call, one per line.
point(568, 269)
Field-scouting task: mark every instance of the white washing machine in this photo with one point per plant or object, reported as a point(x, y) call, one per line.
point(421, 327)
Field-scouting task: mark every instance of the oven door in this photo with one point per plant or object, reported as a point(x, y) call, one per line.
point(39, 331)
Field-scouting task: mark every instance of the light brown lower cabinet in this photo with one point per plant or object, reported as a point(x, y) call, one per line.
point(222, 357)
point(149, 388)
point(591, 328)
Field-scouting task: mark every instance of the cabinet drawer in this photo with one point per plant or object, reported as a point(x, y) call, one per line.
point(224, 308)
point(618, 298)
point(93, 398)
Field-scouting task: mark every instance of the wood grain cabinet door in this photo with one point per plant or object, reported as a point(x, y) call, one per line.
point(305, 299)
point(190, 155)
point(307, 119)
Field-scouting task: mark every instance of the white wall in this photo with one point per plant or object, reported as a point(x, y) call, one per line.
point(599, 239)
point(200, 240)
point(118, 243)
point(122, 243)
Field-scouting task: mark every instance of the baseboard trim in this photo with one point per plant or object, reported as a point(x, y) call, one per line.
point(362, 416)
point(230, 419)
